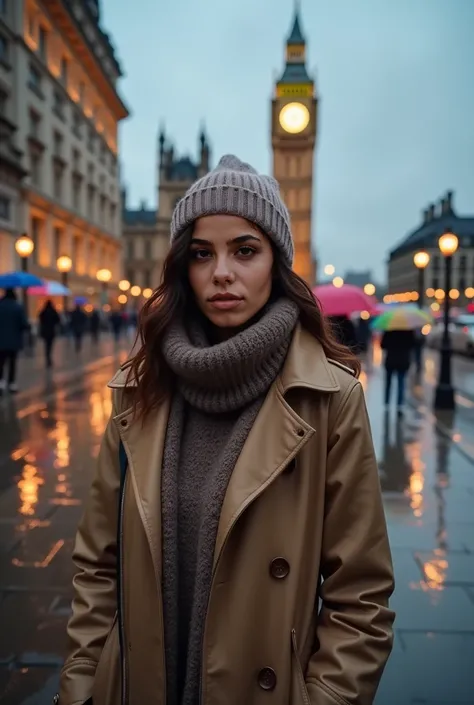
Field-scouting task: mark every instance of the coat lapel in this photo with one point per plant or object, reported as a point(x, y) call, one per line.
point(276, 436)
point(144, 445)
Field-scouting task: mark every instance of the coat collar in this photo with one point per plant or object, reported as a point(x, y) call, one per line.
point(306, 366)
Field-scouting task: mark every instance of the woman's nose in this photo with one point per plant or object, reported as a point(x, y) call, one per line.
point(222, 272)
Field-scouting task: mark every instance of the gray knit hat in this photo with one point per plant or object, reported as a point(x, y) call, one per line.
point(236, 188)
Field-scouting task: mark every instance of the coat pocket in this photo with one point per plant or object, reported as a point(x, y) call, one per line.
point(107, 688)
point(299, 693)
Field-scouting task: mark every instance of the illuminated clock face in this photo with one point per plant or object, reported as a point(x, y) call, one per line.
point(294, 118)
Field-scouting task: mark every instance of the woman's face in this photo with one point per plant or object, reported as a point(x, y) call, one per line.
point(230, 269)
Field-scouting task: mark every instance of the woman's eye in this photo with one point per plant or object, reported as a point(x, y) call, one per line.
point(199, 254)
point(246, 251)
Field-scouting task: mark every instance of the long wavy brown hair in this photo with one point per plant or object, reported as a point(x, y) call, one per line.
point(174, 300)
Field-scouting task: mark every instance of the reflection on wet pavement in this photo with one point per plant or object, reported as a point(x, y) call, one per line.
point(48, 448)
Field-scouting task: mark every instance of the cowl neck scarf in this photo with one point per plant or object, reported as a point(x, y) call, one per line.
point(228, 380)
point(229, 375)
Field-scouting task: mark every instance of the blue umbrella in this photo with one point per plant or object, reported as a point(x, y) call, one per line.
point(20, 280)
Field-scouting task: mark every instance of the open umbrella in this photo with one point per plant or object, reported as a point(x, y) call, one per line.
point(344, 300)
point(19, 280)
point(406, 318)
point(49, 288)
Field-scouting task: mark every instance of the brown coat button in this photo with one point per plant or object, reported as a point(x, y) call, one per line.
point(279, 568)
point(124, 422)
point(300, 432)
point(267, 679)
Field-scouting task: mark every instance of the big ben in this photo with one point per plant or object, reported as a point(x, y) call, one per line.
point(294, 125)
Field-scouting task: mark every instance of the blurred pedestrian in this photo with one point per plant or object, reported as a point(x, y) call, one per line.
point(78, 325)
point(116, 322)
point(94, 325)
point(13, 327)
point(398, 346)
point(253, 492)
point(49, 323)
point(419, 344)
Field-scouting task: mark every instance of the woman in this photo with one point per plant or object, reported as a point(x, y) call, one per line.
point(49, 324)
point(248, 476)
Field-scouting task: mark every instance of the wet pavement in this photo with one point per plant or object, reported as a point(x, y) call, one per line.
point(49, 439)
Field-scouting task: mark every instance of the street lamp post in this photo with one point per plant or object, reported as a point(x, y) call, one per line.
point(24, 247)
point(421, 260)
point(104, 276)
point(444, 395)
point(64, 265)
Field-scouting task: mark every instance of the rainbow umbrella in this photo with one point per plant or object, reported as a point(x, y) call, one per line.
point(402, 318)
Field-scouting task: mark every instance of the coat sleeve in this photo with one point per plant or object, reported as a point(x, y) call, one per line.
point(354, 632)
point(95, 556)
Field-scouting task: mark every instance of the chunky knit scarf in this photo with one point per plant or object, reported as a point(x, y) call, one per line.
point(220, 389)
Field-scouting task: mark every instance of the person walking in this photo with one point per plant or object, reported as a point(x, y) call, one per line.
point(398, 346)
point(237, 485)
point(116, 322)
point(78, 324)
point(13, 326)
point(94, 326)
point(49, 322)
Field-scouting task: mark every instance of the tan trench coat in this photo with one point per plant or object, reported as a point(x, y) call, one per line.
point(302, 524)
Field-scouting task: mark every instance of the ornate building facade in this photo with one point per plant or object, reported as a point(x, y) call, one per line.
point(62, 105)
point(146, 231)
point(403, 276)
point(294, 127)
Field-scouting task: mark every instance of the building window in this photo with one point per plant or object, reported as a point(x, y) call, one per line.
point(76, 160)
point(91, 140)
point(3, 103)
point(91, 202)
point(76, 191)
point(147, 279)
point(36, 237)
point(58, 104)
point(43, 43)
point(3, 7)
point(58, 176)
point(57, 242)
point(5, 208)
point(64, 71)
point(103, 152)
point(3, 49)
point(35, 125)
point(113, 214)
point(147, 251)
point(102, 210)
point(58, 144)
point(77, 125)
point(436, 264)
point(130, 275)
point(34, 80)
point(462, 284)
point(131, 250)
point(462, 263)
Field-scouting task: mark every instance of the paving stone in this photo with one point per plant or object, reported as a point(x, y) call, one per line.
point(439, 667)
point(32, 631)
point(421, 608)
point(28, 685)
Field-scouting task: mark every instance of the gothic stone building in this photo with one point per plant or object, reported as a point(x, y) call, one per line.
point(146, 231)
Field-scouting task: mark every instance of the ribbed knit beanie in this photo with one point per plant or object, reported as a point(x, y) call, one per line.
point(236, 188)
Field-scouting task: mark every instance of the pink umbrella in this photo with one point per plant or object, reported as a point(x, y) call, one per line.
point(343, 301)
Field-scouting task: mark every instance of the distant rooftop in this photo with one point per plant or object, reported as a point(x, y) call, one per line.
point(139, 216)
point(435, 223)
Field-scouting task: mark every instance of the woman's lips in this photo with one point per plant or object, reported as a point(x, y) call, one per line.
point(225, 304)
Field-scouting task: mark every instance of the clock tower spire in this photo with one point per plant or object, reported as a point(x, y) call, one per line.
point(294, 125)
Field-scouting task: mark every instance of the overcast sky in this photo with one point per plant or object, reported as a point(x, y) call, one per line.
point(396, 86)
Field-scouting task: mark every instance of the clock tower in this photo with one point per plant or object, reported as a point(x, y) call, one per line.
point(294, 123)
